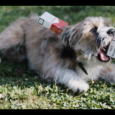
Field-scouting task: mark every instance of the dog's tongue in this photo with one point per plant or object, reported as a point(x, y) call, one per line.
point(103, 56)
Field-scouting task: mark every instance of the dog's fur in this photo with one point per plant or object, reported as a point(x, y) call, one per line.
point(57, 56)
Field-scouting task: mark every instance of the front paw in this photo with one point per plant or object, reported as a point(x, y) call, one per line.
point(110, 77)
point(79, 87)
point(83, 88)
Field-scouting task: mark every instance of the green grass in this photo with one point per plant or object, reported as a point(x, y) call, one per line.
point(21, 88)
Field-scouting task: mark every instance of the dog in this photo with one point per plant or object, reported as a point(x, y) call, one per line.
point(72, 58)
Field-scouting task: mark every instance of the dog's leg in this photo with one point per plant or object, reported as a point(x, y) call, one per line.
point(12, 41)
point(108, 74)
point(70, 79)
point(56, 68)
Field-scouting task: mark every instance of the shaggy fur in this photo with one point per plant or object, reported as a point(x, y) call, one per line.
point(57, 56)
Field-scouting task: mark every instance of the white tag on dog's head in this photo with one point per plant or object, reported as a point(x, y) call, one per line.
point(111, 49)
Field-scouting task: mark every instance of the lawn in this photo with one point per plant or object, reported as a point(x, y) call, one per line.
point(21, 88)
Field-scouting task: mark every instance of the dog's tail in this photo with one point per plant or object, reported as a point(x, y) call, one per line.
point(13, 34)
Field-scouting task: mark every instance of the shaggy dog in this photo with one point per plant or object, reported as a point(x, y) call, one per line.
point(75, 56)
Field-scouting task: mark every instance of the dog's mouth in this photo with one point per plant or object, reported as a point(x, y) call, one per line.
point(102, 55)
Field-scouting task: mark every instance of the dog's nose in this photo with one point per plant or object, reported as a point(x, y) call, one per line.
point(111, 32)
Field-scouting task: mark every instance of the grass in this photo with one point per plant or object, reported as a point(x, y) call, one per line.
point(21, 88)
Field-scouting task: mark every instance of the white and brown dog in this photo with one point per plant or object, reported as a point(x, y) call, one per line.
point(72, 58)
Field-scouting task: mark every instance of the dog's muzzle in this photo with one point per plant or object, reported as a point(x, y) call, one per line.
point(102, 54)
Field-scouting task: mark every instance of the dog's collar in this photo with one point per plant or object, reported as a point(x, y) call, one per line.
point(82, 67)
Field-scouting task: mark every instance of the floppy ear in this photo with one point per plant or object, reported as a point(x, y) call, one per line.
point(72, 34)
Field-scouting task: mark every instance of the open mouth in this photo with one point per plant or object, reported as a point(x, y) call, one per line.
point(102, 55)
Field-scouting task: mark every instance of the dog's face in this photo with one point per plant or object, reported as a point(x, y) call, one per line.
point(91, 37)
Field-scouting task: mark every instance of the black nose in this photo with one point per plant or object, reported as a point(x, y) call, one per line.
point(111, 32)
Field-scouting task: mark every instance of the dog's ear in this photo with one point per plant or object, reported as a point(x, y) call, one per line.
point(72, 34)
point(66, 34)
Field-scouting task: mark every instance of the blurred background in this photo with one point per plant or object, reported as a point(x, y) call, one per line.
point(70, 14)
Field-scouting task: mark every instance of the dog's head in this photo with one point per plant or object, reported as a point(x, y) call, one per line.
point(91, 37)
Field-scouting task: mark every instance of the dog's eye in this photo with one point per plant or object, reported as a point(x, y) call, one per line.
point(93, 29)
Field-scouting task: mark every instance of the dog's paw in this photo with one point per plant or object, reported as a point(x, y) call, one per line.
point(111, 77)
point(79, 87)
point(82, 88)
